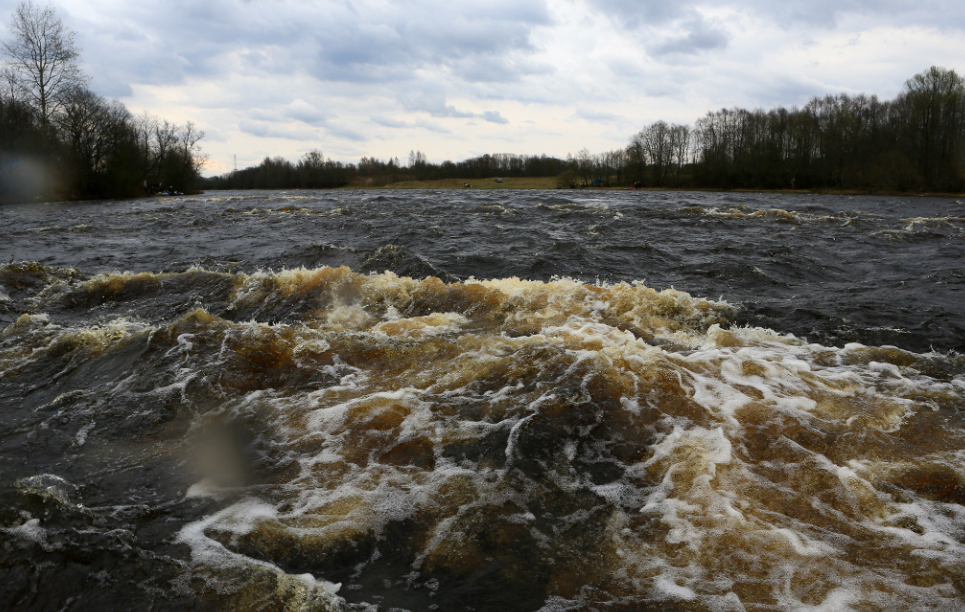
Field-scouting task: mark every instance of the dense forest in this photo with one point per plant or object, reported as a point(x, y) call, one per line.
point(313, 170)
point(915, 142)
point(59, 140)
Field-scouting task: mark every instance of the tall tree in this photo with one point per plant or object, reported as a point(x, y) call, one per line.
point(934, 101)
point(42, 58)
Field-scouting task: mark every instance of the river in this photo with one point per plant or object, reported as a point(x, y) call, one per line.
point(483, 400)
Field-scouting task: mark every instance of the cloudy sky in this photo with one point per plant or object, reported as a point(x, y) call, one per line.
point(458, 78)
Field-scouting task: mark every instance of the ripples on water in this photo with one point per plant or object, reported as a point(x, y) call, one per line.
point(483, 401)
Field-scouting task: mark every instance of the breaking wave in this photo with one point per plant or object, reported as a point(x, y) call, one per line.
point(326, 439)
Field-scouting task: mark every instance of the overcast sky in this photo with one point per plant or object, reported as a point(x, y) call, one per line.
point(458, 78)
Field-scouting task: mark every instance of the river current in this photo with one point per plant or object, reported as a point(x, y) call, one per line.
point(483, 400)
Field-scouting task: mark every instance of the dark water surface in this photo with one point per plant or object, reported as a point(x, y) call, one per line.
point(499, 400)
point(834, 269)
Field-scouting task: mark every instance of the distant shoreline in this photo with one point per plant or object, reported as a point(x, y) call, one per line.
point(532, 184)
point(549, 183)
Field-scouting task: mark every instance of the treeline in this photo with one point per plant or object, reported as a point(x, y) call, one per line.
point(91, 148)
point(314, 170)
point(59, 140)
point(915, 142)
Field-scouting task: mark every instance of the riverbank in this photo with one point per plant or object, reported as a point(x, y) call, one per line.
point(550, 182)
point(543, 183)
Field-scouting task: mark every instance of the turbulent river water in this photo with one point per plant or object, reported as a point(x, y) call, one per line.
point(483, 400)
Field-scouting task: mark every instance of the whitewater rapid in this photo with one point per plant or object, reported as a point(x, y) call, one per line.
point(316, 437)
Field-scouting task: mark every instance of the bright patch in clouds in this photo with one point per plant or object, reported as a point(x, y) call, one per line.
point(457, 79)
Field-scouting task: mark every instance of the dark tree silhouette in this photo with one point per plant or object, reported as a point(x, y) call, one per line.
point(42, 59)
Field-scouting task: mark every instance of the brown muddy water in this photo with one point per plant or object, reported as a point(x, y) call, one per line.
point(499, 401)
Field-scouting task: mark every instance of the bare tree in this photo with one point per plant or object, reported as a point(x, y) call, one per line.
point(934, 104)
point(311, 167)
point(42, 58)
point(189, 153)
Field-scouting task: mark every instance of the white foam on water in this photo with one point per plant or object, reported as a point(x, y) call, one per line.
point(330, 417)
point(240, 518)
point(30, 531)
point(348, 317)
point(665, 587)
point(942, 526)
point(687, 498)
point(717, 396)
point(728, 602)
point(310, 346)
point(593, 336)
point(690, 517)
point(49, 486)
point(80, 438)
point(422, 327)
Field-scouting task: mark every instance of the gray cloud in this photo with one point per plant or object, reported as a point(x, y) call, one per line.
point(268, 130)
point(498, 69)
point(420, 123)
point(494, 117)
point(785, 90)
point(827, 13)
point(430, 126)
point(362, 41)
point(787, 13)
point(634, 13)
point(301, 110)
point(347, 133)
point(389, 122)
point(434, 105)
point(596, 115)
point(214, 135)
point(697, 36)
point(391, 46)
point(112, 88)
